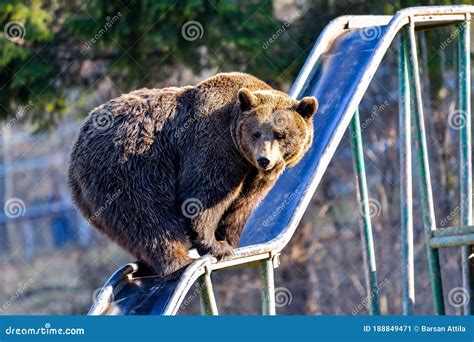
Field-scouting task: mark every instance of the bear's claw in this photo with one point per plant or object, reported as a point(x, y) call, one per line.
point(219, 249)
point(224, 249)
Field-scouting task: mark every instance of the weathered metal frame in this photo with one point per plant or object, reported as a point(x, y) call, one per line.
point(268, 287)
point(406, 183)
point(465, 148)
point(435, 238)
point(206, 291)
point(365, 215)
point(423, 167)
point(265, 252)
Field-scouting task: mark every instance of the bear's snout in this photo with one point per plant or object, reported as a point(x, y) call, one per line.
point(263, 162)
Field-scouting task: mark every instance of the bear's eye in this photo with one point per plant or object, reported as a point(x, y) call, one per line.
point(279, 136)
point(257, 135)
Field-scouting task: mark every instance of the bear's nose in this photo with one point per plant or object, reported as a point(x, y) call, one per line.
point(263, 162)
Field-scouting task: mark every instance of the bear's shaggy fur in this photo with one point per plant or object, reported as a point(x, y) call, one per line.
point(161, 171)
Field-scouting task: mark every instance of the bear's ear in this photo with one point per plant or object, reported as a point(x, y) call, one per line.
point(307, 106)
point(247, 99)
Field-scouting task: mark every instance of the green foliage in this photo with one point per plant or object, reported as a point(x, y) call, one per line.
point(69, 47)
point(135, 44)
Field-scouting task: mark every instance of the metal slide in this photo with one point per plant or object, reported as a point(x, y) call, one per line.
point(337, 72)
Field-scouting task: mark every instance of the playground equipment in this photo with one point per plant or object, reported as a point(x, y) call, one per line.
point(337, 72)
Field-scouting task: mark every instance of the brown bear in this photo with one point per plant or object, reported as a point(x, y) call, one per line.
point(161, 171)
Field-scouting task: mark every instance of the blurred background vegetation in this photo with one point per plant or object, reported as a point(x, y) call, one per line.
point(68, 49)
point(59, 59)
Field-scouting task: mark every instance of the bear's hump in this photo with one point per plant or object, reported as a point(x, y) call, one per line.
point(233, 80)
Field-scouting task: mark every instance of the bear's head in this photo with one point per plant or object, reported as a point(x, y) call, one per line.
point(272, 129)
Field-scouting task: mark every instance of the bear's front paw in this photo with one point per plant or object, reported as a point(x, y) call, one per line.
point(219, 249)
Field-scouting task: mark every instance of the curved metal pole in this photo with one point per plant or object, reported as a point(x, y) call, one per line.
point(106, 294)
